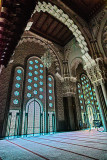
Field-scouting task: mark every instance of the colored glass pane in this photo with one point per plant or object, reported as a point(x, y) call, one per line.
point(41, 89)
point(50, 97)
point(35, 85)
point(16, 93)
point(50, 79)
point(41, 96)
point(30, 74)
point(19, 71)
point(41, 77)
point(41, 71)
point(36, 72)
point(36, 66)
point(29, 95)
point(30, 62)
point(50, 91)
point(41, 65)
point(29, 87)
point(50, 104)
point(41, 83)
point(50, 85)
point(30, 68)
point(29, 80)
point(15, 101)
point(35, 78)
point(36, 61)
point(17, 85)
point(18, 78)
point(35, 92)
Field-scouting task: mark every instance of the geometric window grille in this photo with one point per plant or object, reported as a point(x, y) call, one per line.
point(35, 84)
point(87, 97)
point(51, 96)
point(15, 103)
point(16, 95)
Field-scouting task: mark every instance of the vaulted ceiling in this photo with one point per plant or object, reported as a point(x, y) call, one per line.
point(16, 13)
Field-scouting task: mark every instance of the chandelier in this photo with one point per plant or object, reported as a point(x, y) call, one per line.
point(47, 59)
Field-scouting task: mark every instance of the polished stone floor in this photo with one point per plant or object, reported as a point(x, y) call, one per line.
point(77, 145)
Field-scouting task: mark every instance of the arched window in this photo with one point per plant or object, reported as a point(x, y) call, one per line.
point(38, 102)
point(87, 98)
point(15, 102)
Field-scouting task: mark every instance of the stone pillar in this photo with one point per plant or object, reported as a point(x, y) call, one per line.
point(104, 92)
point(101, 109)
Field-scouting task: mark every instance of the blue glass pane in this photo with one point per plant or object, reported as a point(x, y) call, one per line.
point(78, 86)
point(36, 66)
point(80, 101)
point(35, 92)
point(16, 93)
point(81, 78)
point(19, 71)
point(50, 91)
point(50, 97)
point(15, 101)
point(41, 83)
point(88, 101)
point(36, 61)
point(31, 62)
point(17, 85)
point(41, 65)
point(36, 72)
point(41, 96)
point(90, 93)
point(35, 78)
point(81, 107)
point(29, 87)
point(30, 68)
point(81, 96)
point(35, 85)
point(41, 89)
point(29, 80)
point(41, 77)
point(50, 104)
point(41, 71)
point(50, 85)
point(50, 79)
point(18, 78)
point(30, 74)
point(28, 95)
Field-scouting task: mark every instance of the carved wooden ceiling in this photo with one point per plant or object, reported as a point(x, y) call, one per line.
point(49, 27)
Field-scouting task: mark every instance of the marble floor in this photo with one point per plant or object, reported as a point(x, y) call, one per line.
point(76, 145)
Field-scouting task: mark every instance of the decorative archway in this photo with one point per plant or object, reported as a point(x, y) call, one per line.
point(65, 19)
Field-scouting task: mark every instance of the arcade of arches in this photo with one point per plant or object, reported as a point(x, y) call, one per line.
point(70, 94)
